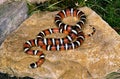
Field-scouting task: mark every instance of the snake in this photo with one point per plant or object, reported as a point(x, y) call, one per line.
point(74, 36)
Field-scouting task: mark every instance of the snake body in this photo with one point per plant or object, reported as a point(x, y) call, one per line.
point(75, 36)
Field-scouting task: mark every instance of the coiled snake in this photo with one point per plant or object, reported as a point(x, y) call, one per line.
point(75, 36)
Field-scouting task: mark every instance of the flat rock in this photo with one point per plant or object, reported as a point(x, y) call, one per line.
point(12, 14)
point(98, 56)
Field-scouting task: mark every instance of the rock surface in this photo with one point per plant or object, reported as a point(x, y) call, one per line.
point(31, 1)
point(37, 1)
point(2, 1)
point(99, 54)
point(12, 14)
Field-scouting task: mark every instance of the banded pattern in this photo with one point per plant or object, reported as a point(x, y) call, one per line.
point(53, 41)
point(75, 36)
point(70, 12)
point(53, 47)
